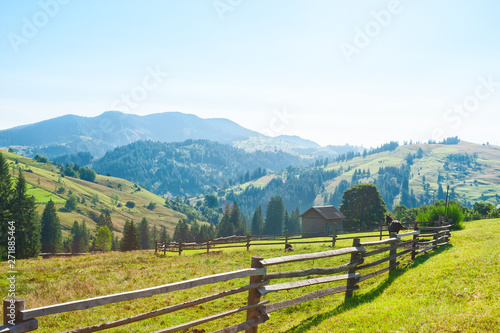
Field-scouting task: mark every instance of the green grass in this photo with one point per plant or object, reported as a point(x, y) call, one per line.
point(452, 289)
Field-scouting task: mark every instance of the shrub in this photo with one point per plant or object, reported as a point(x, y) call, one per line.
point(130, 204)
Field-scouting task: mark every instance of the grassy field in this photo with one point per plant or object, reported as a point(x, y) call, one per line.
point(452, 289)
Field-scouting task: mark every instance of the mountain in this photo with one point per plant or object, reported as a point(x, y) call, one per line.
point(71, 134)
point(190, 167)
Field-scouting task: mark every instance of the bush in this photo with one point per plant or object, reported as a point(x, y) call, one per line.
point(432, 213)
point(130, 204)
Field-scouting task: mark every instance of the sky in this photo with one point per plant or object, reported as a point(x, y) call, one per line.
point(335, 72)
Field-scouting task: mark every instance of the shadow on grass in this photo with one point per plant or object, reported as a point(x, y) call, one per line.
point(352, 303)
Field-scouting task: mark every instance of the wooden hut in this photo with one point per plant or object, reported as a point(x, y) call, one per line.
point(321, 221)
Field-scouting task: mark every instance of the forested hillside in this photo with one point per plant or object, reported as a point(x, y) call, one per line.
point(191, 167)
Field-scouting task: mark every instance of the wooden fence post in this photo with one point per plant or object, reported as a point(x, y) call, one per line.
point(352, 281)
point(248, 242)
point(11, 308)
point(180, 247)
point(381, 223)
point(334, 236)
point(156, 246)
point(393, 251)
point(286, 236)
point(254, 294)
point(414, 245)
point(208, 245)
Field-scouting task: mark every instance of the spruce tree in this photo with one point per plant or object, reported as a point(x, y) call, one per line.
point(257, 221)
point(26, 221)
point(80, 238)
point(130, 240)
point(144, 234)
point(275, 216)
point(105, 220)
point(225, 227)
point(154, 235)
point(5, 197)
point(181, 232)
point(51, 230)
point(164, 236)
point(294, 222)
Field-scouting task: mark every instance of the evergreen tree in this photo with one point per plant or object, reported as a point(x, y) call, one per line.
point(130, 240)
point(103, 239)
point(194, 231)
point(441, 195)
point(363, 206)
point(80, 238)
point(181, 232)
point(225, 228)
point(115, 243)
point(275, 216)
point(287, 221)
point(5, 197)
point(144, 234)
point(237, 221)
point(51, 230)
point(164, 236)
point(154, 235)
point(105, 220)
point(294, 222)
point(257, 221)
point(26, 221)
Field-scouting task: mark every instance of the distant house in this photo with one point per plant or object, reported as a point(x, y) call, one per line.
point(321, 221)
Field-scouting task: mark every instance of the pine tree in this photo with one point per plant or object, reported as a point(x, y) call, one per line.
point(275, 216)
point(105, 220)
point(144, 234)
point(80, 238)
point(237, 221)
point(164, 236)
point(225, 227)
point(51, 230)
point(294, 224)
point(26, 221)
point(154, 235)
point(194, 231)
point(130, 240)
point(5, 197)
point(181, 232)
point(257, 221)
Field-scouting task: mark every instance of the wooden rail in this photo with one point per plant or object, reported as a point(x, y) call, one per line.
point(259, 285)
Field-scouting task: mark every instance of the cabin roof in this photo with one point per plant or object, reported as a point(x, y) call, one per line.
point(327, 212)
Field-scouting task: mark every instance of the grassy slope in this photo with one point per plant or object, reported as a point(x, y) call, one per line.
point(105, 187)
point(453, 289)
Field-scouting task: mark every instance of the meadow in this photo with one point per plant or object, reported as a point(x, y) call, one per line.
point(452, 289)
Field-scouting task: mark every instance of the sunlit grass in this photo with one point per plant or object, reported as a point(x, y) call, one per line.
point(452, 289)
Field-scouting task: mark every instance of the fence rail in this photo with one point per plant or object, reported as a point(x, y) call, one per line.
point(260, 284)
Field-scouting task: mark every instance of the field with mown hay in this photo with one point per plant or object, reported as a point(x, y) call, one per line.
point(452, 289)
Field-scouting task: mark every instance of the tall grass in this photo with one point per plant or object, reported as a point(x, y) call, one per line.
point(432, 213)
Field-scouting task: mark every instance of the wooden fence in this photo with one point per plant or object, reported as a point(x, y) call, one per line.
point(261, 282)
point(215, 245)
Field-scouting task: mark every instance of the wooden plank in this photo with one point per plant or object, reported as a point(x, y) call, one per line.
point(208, 319)
point(368, 236)
point(436, 228)
point(426, 249)
point(108, 299)
point(378, 262)
point(407, 243)
point(244, 326)
point(311, 256)
point(406, 234)
point(168, 309)
point(305, 283)
point(374, 252)
point(370, 275)
point(380, 242)
point(306, 298)
point(312, 271)
point(24, 326)
point(432, 241)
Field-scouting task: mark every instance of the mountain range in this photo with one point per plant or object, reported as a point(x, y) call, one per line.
point(71, 134)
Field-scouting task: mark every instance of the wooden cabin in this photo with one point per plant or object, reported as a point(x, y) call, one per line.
point(321, 221)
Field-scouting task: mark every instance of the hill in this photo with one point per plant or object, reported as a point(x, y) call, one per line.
point(191, 167)
point(412, 175)
point(106, 193)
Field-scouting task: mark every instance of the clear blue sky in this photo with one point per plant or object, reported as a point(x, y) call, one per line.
point(359, 72)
